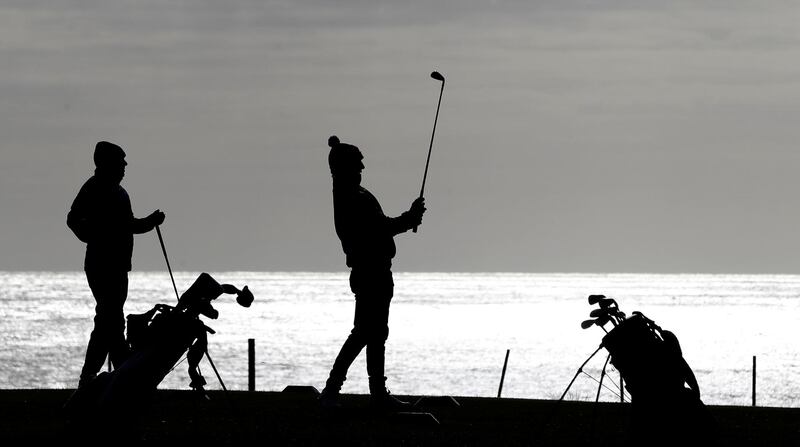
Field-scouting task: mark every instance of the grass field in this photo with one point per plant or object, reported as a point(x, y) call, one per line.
point(35, 417)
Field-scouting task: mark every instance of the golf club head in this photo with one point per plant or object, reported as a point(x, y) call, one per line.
point(438, 76)
point(594, 299)
point(598, 313)
point(605, 303)
point(602, 321)
point(586, 324)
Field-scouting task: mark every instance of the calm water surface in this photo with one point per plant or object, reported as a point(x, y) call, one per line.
point(449, 332)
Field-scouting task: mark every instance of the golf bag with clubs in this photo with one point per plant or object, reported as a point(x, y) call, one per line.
point(158, 339)
point(665, 398)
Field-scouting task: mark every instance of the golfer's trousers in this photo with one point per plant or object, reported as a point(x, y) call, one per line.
point(110, 290)
point(373, 292)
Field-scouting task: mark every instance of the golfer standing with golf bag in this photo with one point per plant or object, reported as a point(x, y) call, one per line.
point(101, 216)
point(367, 237)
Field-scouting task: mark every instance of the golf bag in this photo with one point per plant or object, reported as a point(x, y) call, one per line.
point(665, 397)
point(157, 340)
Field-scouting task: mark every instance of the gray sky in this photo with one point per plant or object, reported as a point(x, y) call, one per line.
point(586, 136)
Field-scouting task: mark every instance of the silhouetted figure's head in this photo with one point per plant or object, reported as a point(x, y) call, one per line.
point(345, 162)
point(110, 161)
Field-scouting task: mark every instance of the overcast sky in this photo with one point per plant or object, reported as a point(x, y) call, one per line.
point(636, 136)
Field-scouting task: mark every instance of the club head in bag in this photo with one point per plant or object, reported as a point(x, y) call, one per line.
point(594, 299)
point(602, 321)
point(605, 303)
point(598, 313)
point(586, 324)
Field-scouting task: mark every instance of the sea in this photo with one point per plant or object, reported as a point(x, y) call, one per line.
point(455, 334)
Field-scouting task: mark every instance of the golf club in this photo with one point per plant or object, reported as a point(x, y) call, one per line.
point(164, 250)
point(602, 321)
point(605, 303)
point(594, 299)
point(604, 313)
point(598, 312)
point(586, 324)
point(438, 76)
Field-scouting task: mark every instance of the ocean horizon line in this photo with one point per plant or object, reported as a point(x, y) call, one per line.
point(484, 272)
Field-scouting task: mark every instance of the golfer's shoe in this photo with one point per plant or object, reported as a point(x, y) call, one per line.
point(329, 400)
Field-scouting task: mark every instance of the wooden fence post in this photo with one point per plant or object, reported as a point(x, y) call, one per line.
point(251, 364)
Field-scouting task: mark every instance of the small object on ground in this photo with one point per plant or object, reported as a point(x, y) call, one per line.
point(302, 390)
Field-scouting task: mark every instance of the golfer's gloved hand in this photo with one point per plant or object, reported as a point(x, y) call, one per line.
point(417, 210)
point(156, 218)
point(418, 206)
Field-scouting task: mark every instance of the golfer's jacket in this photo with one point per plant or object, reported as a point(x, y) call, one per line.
point(366, 233)
point(101, 216)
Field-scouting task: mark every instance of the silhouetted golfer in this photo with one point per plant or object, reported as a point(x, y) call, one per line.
point(101, 216)
point(367, 239)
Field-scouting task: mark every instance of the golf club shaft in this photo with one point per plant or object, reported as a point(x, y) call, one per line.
point(430, 147)
point(164, 250)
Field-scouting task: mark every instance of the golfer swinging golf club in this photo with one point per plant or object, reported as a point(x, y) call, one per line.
point(367, 237)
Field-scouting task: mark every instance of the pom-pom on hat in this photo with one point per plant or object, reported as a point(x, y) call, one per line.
point(342, 155)
point(108, 154)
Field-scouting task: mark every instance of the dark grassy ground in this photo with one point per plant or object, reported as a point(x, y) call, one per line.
point(35, 417)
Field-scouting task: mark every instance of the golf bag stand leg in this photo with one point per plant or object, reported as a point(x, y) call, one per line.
point(593, 424)
point(580, 370)
point(602, 376)
point(211, 362)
